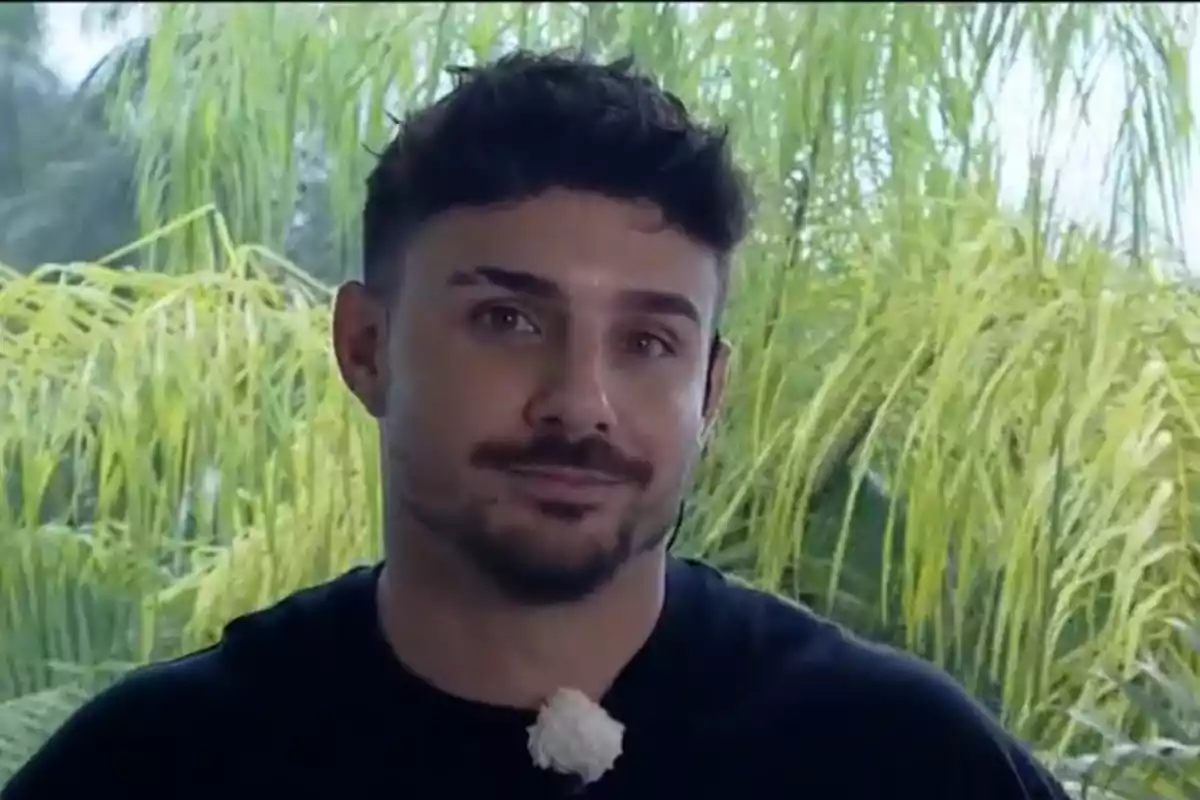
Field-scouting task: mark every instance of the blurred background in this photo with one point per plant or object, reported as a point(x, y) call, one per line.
point(965, 417)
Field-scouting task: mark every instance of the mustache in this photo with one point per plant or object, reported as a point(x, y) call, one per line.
point(591, 453)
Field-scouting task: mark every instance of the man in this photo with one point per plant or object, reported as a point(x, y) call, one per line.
point(546, 258)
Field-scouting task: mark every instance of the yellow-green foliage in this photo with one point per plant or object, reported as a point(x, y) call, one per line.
point(179, 450)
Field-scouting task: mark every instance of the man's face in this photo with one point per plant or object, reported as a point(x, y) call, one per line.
point(541, 384)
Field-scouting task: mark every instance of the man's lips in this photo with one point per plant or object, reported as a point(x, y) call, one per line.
point(564, 485)
point(566, 476)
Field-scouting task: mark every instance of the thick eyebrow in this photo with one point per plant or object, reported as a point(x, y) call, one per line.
point(515, 281)
point(650, 302)
point(526, 283)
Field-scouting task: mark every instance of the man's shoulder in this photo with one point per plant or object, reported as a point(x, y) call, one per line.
point(134, 733)
point(196, 713)
point(868, 711)
point(304, 629)
point(158, 697)
point(787, 648)
point(920, 726)
point(758, 632)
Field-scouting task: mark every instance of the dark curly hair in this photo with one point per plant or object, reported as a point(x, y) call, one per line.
point(527, 123)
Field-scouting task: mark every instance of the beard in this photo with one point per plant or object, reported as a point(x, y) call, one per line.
point(518, 559)
point(529, 578)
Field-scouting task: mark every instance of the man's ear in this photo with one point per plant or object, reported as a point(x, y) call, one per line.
point(714, 389)
point(360, 345)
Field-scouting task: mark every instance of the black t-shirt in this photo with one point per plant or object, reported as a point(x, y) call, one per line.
point(736, 694)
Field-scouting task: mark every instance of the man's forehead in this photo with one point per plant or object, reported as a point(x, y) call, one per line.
point(588, 246)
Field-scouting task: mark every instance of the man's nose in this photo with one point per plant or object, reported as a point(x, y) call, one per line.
point(574, 397)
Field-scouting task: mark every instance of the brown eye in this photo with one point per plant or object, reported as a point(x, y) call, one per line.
point(503, 319)
point(648, 345)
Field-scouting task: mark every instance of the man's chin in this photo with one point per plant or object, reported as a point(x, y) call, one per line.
point(541, 584)
point(547, 578)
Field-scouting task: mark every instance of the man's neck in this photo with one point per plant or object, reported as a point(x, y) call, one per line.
point(471, 643)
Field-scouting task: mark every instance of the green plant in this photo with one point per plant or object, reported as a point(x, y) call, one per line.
point(966, 429)
point(1165, 761)
point(1019, 569)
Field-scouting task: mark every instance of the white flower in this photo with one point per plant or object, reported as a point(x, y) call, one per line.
point(575, 736)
